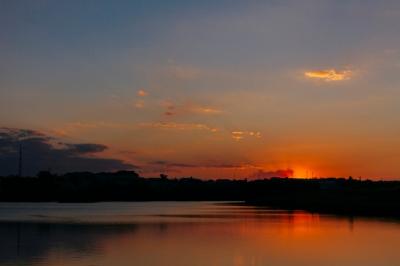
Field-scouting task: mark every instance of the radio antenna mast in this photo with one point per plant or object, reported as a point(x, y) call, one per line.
point(20, 161)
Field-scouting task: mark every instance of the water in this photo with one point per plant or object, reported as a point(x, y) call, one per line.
point(189, 233)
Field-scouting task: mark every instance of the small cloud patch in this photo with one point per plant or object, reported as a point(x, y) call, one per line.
point(329, 74)
point(142, 93)
point(240, 135)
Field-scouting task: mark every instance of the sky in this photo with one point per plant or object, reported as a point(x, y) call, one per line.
point(211, 89)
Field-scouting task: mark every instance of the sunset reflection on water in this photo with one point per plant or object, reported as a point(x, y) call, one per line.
point(190, 234)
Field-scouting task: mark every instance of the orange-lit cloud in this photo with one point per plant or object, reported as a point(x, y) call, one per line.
point(239, 135)
point(142, 93)
point(179, 126)
point(205, 110)
point(172, 109)
point(329, 74)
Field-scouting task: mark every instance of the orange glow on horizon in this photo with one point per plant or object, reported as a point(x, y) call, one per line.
point(304, 172)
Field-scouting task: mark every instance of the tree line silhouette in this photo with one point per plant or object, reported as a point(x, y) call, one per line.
point(331, 195)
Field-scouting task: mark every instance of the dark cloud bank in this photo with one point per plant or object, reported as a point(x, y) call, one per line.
point(282, 173)
point(161, 166)
point(43, 152)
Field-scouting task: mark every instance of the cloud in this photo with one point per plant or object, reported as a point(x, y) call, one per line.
point(172, 165)
point(142, 93)
point(139, 104)
point(74, 127)
point(21, 134)
point(239, 135)
point(329, 74)
point(277, 173)
point(179, 126)
point(86, 148)
point(172, 109)
point(162, 165)
point(169, 108)
point(42, 152)
point(205, 110)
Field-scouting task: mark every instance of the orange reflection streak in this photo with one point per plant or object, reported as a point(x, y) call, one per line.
point(239, 236)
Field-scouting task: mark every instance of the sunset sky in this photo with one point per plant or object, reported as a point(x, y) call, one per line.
point(212, 89)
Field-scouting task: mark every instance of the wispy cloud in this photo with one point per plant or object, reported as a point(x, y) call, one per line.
point(139, 104)
point(169, 164)
point(71, 129)
point(239, 135)
point(74, 127)
point(172, 109)
point(329, 74)
point(276, 173)
point(243, 168)
point(169, 108)
point(179, 126)
point(205, 110)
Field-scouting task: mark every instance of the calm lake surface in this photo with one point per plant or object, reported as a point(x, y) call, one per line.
point(189, 233)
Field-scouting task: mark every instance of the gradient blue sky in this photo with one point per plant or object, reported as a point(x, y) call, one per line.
point(210, 88)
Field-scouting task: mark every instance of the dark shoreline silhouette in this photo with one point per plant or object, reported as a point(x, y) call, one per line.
point(326, 195)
